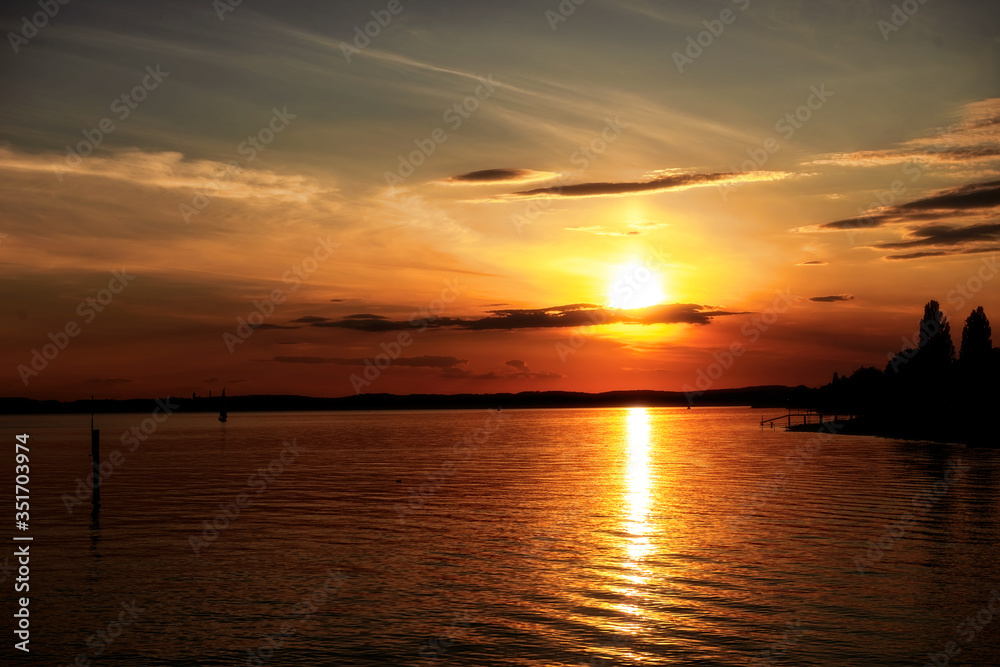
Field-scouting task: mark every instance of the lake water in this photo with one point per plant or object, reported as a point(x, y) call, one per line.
point(527, 537)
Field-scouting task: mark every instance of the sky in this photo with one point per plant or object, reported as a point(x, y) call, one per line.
point(407, 197)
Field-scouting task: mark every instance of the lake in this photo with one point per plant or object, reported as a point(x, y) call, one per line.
point(641, 536)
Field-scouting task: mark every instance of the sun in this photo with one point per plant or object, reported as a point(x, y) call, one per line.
point(635, 285)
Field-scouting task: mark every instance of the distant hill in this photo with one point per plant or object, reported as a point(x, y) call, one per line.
point(764, 396)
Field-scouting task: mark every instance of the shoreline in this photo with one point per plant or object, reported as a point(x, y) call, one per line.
point(933, 434)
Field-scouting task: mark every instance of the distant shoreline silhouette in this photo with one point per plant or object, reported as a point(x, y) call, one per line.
point(769, 396)
point(925, 392)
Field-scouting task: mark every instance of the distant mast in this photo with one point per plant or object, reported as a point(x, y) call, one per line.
point(223, 415)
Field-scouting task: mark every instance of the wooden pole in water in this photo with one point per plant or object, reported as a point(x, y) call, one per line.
point(95, 452)
point(95, 463)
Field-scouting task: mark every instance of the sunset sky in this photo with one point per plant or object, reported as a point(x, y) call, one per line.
point(605, 199)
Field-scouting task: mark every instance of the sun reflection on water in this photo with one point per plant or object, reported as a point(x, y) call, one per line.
point(637, 488)
point(637, 482)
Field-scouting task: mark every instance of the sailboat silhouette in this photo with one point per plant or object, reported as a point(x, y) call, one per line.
point(223, 415)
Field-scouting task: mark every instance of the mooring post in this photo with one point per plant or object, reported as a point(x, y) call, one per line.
point(95, 453)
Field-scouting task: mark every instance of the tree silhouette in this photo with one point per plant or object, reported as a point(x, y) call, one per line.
point(922, 370)
point(924, 392)
point(935, 336)
point(977, 340)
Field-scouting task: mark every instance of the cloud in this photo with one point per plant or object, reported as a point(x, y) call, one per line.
point(658, 182)
point(430, 361)
point(370, 323)
point(812, 262)
point(573, 315)
point(943, 253)
point(973, 139)
point(832, 299)
point(958, 216)
point(169, 170)
point(490, 176)
point(632, 228)
point(425, 361)
point(305, 360)
point(449, 367)
point(463, 374)
point(266, 326)
point(962, 198)
point(520, 372)
point(944, 235)
point(310, 319)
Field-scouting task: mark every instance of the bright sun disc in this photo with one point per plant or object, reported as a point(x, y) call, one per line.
point(635, 286)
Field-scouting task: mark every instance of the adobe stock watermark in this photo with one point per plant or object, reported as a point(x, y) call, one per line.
point(86, 309)
point(957, 297)
point(454, 116)
point(897, 189)
point(779, 649)
point(37, 21)
point(248, 148)
point(697, 44)
point(625, 290)
point(102, 639)
point(922, 502)
point(421, 320)
point(565, 9)
point(619, 641)
point(786, 126)
point(532, 547)
point(967, 631)
point(583, 156)
point(122, 107)
point(303, 611)
point(132, 438)
point(576, 340)
point(751, 331)
point(795, 459)
point(363, 35)
point(900, 16)
point(469, 444)
point(223, 7)
point(258, 481)
point(293, 277)
point(435, 647)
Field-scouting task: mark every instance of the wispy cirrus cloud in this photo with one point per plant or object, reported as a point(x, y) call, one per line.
point(515, 369)
point(631, 228)
point(168, 170)
point(657, 182)
point(450, 368)
point(424, 361)
point(973, 140)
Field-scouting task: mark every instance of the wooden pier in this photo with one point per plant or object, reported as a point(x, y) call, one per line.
point(807, 416)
